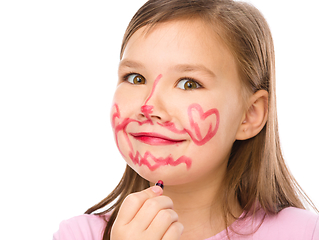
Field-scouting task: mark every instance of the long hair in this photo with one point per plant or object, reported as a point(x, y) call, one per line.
point(256, 170)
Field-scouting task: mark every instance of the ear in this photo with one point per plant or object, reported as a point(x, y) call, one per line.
point(255, 117)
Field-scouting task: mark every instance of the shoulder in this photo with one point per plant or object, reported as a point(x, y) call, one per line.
point(83, 227)
point(297, 215)
point(291, 223)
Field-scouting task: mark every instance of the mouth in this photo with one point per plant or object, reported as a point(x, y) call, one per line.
point(155, 139)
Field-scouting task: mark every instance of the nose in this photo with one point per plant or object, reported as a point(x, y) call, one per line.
point(147, 112)
point(153, 108)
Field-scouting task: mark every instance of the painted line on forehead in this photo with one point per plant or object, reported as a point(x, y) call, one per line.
point(154, 86)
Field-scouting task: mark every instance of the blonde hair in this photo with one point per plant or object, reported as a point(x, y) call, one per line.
point(256, 170)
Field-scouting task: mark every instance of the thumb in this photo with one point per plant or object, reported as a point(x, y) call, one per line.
point(133, 203)
point(157, 190)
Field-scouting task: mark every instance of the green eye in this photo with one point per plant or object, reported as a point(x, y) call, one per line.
point(136, 79)
point(188, 84)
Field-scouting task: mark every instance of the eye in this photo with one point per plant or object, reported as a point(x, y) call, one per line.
point(188, 84)
point(135, 79)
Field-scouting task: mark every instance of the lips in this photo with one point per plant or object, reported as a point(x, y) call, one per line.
point(155, 139)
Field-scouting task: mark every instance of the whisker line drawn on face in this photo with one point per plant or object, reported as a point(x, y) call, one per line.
point(147, 109)
point(171, 126)
point(194, 133)
point(138, 159)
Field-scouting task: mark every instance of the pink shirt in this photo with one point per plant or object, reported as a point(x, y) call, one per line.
point(289, 224)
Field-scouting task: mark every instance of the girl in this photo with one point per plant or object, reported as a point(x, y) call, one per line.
point(195, 107)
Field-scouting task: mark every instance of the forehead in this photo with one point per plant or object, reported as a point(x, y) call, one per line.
point(188, 42)
point(174, 34)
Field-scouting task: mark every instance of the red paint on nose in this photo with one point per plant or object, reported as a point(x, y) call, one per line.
point(154, 86)
point(147, 109)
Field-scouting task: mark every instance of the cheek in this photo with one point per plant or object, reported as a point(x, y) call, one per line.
point(128, 98)
point(200, 122)
point(228, 128)
point(203, 125)
point(119, 125)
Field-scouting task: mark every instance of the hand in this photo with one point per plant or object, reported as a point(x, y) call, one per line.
point(147, 215)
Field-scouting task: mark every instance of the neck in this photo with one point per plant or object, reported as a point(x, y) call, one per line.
point(200, 209)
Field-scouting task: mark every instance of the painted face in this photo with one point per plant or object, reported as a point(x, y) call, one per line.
point(178, 103)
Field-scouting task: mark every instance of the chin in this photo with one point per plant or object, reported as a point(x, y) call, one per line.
point(170, 175)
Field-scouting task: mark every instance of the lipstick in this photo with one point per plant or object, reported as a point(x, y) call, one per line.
point(160, 183)
point(155, 139)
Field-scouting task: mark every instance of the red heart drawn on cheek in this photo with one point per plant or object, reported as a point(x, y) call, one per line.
point(202, 122)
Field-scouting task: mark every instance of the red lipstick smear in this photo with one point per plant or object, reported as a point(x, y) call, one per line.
point(144, 160)
point(147, 109)
point(155, 139)
point(171, 126)
point(153, 89)
point(195, 131)
point(138, 159)
point(199, 139)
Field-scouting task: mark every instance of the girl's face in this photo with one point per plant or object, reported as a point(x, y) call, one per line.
point(178, 104)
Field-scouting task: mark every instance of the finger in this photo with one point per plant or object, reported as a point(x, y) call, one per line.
point(161, 223)
point(150, 210)
point(133, 202)
point(174, 232)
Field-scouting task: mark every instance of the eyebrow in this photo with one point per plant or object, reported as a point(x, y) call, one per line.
point(178, 68)
point(193, 68)
point(130, 64)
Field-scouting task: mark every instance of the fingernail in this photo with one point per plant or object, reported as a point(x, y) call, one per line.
point(156, 189)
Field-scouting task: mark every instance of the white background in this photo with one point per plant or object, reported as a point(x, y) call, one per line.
point(58, 71)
